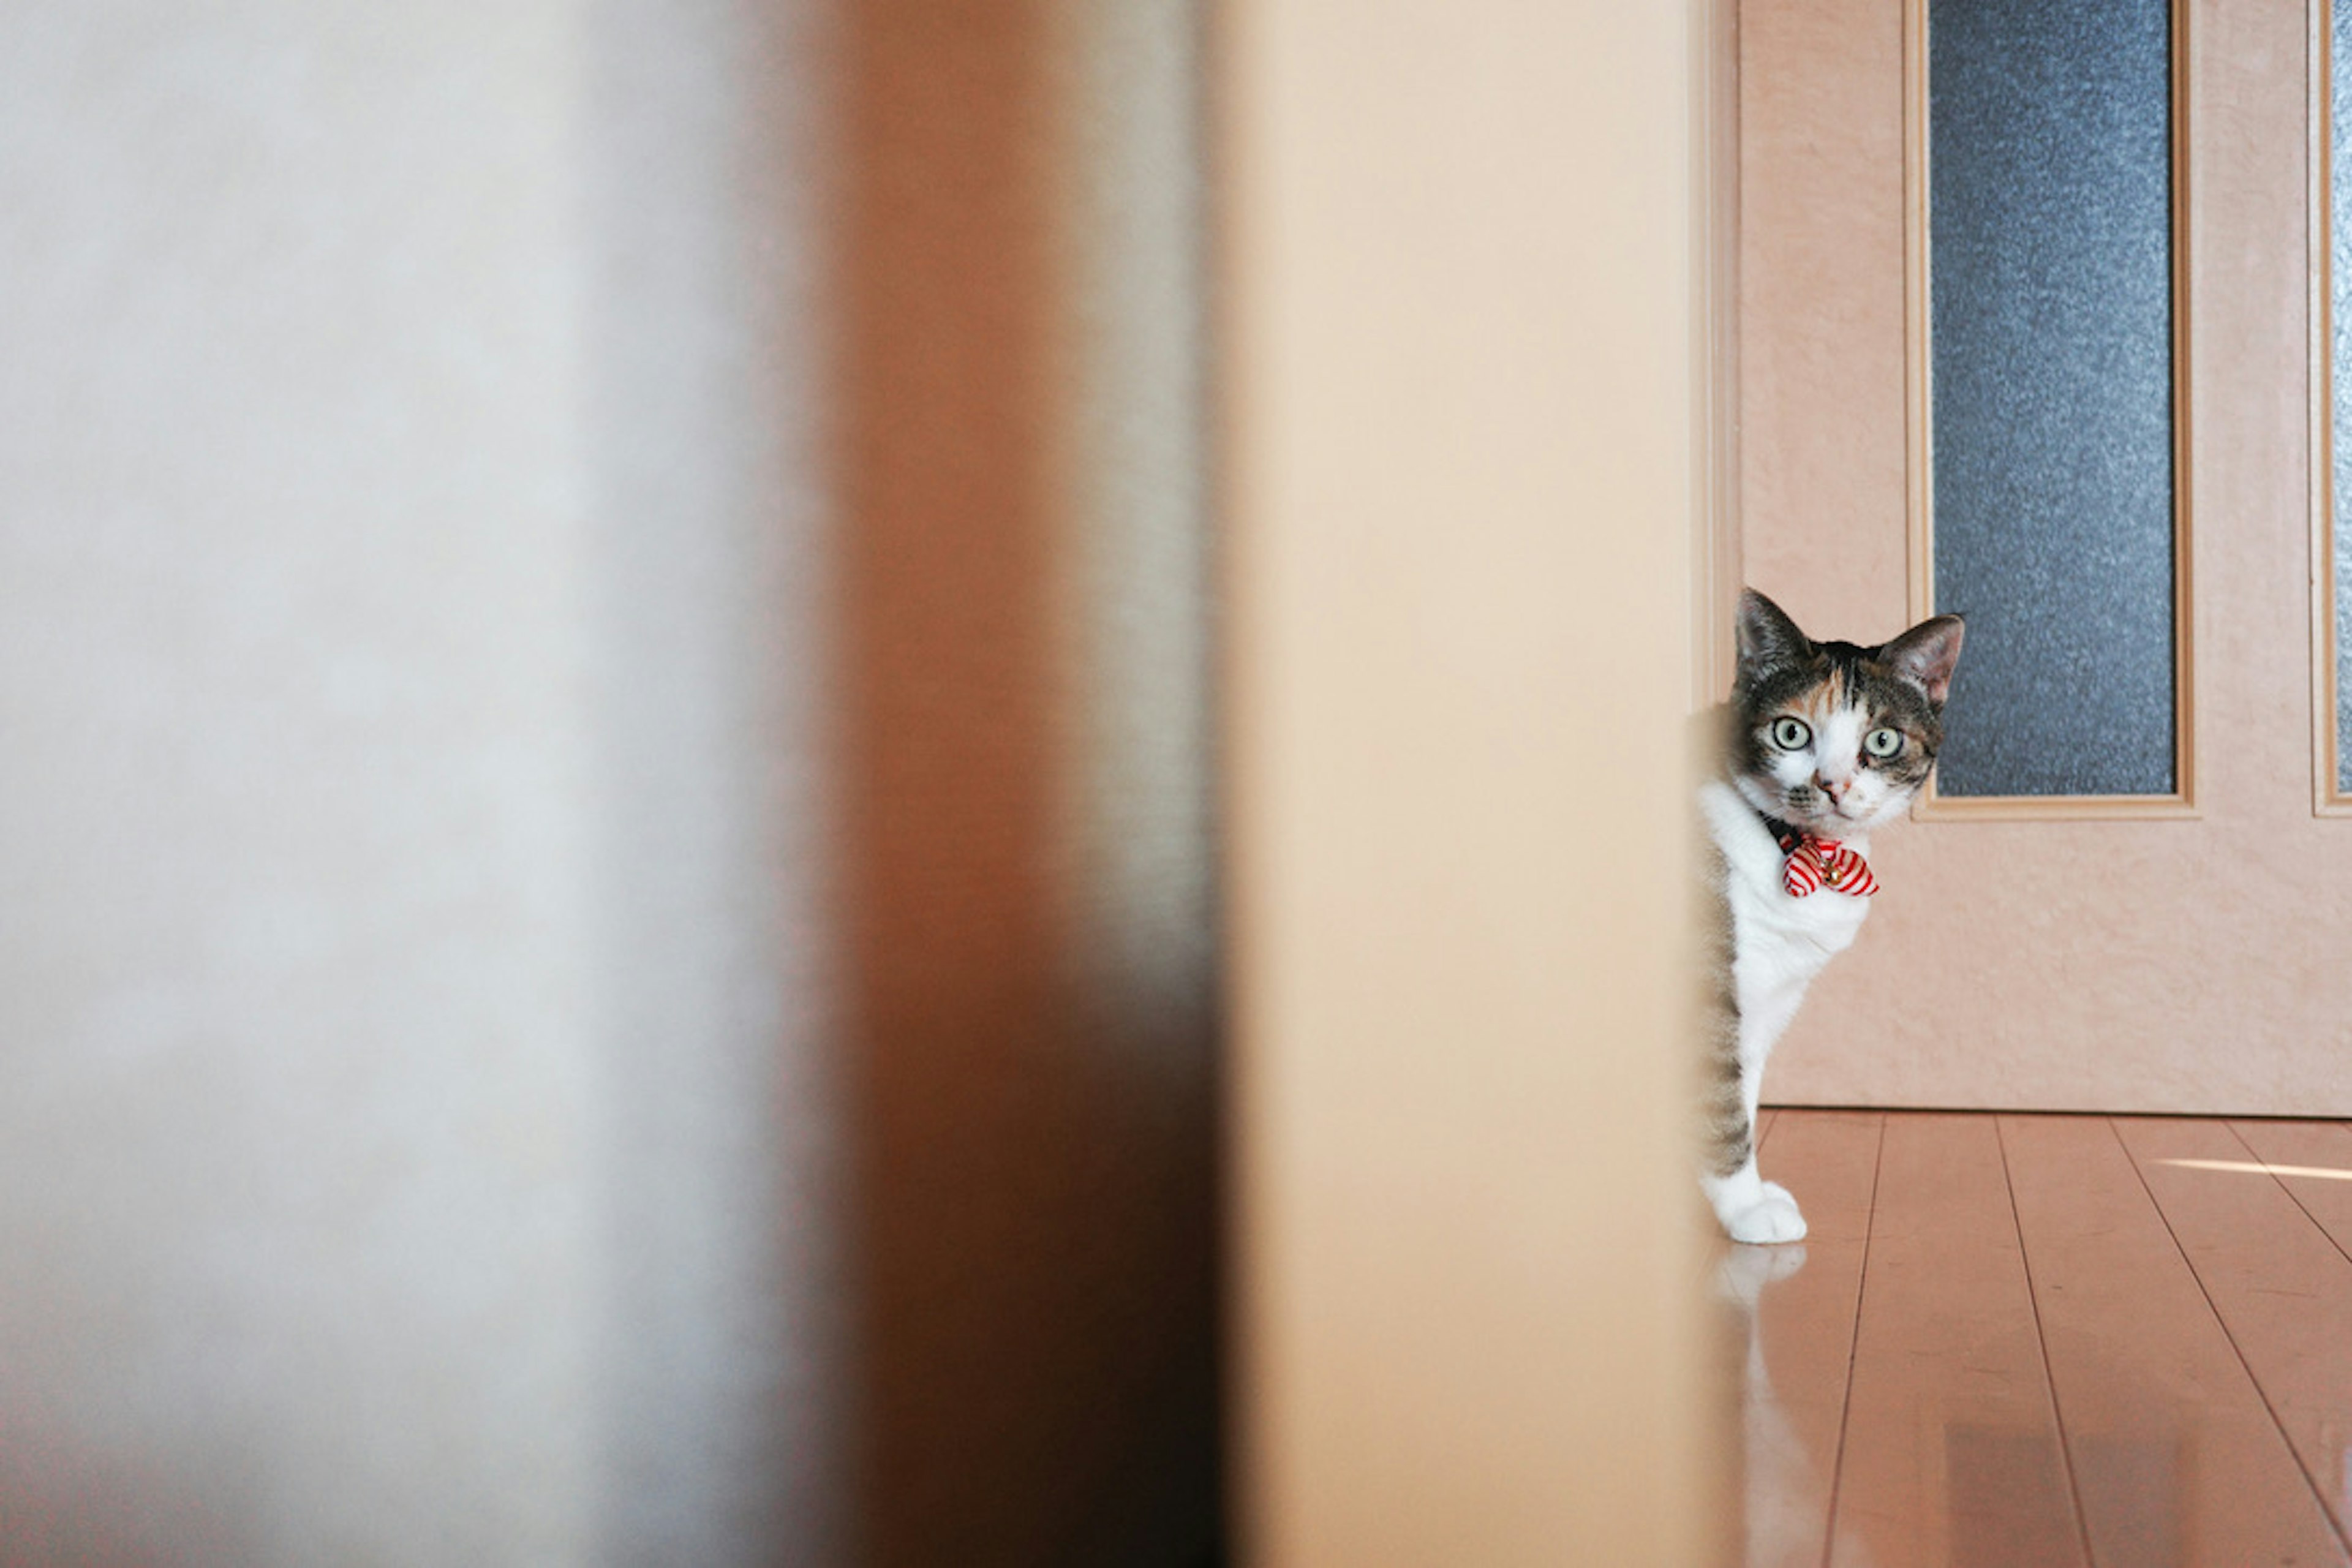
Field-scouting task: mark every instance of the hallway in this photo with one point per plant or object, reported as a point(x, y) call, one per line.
point(2024, 1339)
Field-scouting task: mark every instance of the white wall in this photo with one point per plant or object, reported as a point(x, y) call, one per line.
point(409, 1134)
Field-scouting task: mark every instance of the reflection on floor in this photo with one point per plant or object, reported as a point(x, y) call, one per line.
point(2015, 1340)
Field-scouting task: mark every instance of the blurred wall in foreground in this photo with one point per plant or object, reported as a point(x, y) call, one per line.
point(608, 938)
point(1466, 366)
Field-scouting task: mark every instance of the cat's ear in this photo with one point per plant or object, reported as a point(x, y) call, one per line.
point(1925, 656)
point(1769, 639)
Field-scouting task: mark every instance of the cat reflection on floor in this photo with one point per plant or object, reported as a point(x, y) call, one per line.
point(1820, 744)
point(1786, 1495)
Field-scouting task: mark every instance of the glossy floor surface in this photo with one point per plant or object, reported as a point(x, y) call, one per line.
point(2012, 1341)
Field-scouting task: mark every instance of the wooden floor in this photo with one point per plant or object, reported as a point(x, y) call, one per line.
point(2012, 1341)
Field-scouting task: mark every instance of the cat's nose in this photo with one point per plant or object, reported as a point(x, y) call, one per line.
point(1833, 788)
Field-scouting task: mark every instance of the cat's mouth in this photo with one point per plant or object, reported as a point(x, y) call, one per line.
point(1828, 819)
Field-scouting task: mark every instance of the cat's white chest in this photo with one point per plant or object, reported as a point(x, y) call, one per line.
point(1783, 941)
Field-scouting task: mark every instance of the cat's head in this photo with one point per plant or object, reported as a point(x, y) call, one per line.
point(1832, 738)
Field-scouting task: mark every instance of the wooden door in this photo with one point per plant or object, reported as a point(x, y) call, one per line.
point(2185, 955)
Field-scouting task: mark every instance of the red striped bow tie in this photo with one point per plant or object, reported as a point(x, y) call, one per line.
point(1815, 863)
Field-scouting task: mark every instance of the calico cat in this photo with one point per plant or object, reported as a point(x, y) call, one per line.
point(1821, 742)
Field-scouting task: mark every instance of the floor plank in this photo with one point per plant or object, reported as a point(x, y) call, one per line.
point(1951, 1452)
point(2281, 1287)
point(1799, 1307)
point(2313, 1160)
point(2176, 1459)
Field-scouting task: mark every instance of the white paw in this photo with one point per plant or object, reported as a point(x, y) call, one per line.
point(1771, 1218)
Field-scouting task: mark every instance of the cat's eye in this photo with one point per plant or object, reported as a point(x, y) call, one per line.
point(1790, 734)
point(1882, 743)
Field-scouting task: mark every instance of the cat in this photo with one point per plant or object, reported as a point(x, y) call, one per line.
point(1820, 744)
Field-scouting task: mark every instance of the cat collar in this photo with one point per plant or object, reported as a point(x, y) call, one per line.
point(1814, 863)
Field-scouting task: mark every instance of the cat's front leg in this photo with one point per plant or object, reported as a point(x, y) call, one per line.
point(1740, 1037)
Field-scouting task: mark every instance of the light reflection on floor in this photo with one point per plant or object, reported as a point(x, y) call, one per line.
point(2261, 1168)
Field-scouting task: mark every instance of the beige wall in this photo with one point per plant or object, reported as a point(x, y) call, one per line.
point(474, 1089)
point(2187, 967)
point(1463, 405)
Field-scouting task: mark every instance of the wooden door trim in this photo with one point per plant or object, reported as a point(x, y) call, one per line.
point(1919, 436)
point(2328, 797)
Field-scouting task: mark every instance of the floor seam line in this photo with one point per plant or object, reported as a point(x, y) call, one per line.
point(2042, 1347)
point(1853, 1346)
point(2264, 1161)
point(2326, 1509)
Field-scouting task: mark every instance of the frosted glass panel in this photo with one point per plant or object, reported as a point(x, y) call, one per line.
point(2049, 245)
point(2340, 247)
